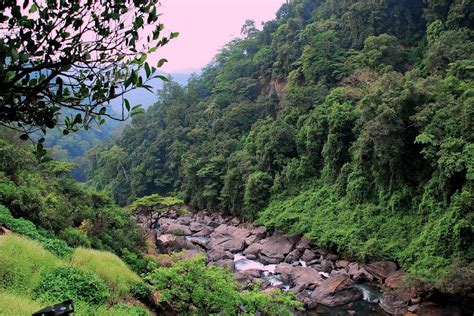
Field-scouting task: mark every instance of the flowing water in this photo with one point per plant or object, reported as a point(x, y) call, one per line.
point(368, 306)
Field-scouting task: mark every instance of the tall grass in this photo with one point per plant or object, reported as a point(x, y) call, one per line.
point(22, 261)
point(113, 271)
point(14, 304)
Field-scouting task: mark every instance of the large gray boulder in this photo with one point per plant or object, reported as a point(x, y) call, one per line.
point(336, 290)
point(276, 247)
point(169, 243)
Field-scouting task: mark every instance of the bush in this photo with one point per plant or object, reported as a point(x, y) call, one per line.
point(75, 237)
point(27, 228)
point(71, 283)
point(191, 288)
point(22, 262)
point(113, 271)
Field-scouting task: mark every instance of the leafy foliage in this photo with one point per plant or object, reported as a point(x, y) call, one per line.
point(46, 197)
point(53, 59)
point(352, 119)
point(191, 288)
point(71, 283)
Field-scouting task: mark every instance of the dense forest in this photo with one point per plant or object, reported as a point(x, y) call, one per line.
point(348, 121)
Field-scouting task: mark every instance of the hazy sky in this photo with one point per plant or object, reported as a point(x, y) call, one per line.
point(205, 26)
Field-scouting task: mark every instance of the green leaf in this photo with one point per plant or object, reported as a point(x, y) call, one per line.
point(174, 35)
point(33, 8)
point(161, 62)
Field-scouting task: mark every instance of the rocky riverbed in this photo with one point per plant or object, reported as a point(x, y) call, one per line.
point(324, 282)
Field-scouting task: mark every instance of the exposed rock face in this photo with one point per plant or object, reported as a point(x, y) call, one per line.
point(5, 231)
point(276, 258)
point(394, 279)
point(381, 270)
point(276, 247)
point(168, 243)
point(335, 291)
point(178, 229)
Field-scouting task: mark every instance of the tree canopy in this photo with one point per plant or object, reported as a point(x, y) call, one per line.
point(76, 55)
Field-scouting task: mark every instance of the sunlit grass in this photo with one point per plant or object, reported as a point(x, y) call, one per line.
point(116, 275)
point(22, 261)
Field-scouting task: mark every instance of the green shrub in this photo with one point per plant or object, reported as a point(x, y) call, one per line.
point(28, 229)
point(113, 271)
point(71, 283)
point(75, 237)
point(191, 288)
point(22, 261)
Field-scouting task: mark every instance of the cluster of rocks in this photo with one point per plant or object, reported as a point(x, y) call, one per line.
point(313, 274)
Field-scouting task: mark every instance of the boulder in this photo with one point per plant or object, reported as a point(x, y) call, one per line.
point(303, 244)
point(184, 220)
point(200, 241)
point(342, 264)
point(336, 290)
point(358, 273)
point(276, 247)
point(205, 232)
point(5, 231)
point(259, 232)
point(178, 229)
point(190, 253)
point(168, 243)
point(219, 253)
point(394, 279)
point(308, 255)
point(332, 257)
point(381, 270)
point(298, 277)
point(196, 227)
point(293, 256)
point(235, 221)
point(253, 251)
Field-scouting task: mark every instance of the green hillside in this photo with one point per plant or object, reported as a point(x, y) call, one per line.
point(349, 121)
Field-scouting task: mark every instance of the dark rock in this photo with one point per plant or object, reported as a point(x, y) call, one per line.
point(293, 256)
point(213, 224)
point(299, 277)
point(335, 291)
point(308, 255)
point(332, 257)
point(326, 266)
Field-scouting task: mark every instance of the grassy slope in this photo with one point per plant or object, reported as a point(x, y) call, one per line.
point(23, 261)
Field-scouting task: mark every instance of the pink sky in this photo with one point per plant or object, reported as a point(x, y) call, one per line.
point(205, 26)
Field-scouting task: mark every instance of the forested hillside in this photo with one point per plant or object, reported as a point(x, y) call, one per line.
point(349, 121)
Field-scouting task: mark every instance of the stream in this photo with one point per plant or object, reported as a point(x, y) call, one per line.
point(367, 306)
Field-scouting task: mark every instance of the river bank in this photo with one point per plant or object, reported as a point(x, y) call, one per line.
point(324, 282)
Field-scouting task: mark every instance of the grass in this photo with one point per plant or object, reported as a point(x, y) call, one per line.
point(22, 261)
point(14, 304)
point(113, 271)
